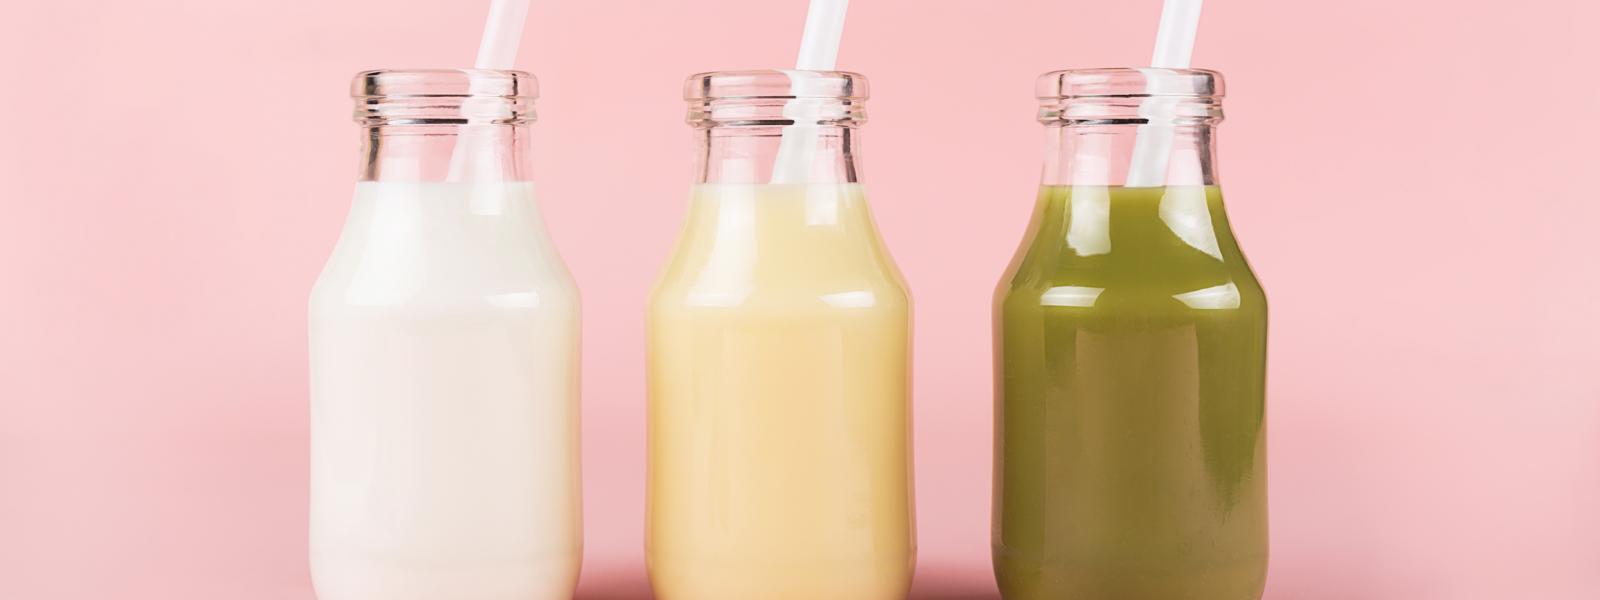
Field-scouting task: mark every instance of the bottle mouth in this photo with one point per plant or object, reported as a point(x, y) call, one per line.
point(444, 97)
point(770, 98)
point(1130, 96)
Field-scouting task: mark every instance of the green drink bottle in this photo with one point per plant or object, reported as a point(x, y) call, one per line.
point(1130, 358)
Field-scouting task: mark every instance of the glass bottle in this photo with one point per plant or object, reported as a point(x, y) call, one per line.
point(1130, 342)
point(444, 357)
point(779, 359)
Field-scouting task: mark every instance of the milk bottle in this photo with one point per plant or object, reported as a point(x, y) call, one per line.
point(444, 358)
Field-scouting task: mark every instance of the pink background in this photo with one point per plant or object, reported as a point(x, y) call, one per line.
point(1413, 182)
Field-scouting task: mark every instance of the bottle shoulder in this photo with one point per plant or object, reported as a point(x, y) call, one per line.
point(850, 272)
point(1149, 243)
point(885, 292)
point(1234, 290)
point(337, 291)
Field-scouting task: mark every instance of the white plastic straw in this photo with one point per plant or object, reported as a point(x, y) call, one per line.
point(819, 45)
point(1152, 147)
point(502, 34)
point(1180, 21)
point(819, 51)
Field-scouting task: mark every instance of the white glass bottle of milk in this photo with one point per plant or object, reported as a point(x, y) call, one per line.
point(444, 358)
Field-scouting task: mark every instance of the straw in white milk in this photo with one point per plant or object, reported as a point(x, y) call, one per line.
point(502, 34)
point(819, 51)
point(1152, 146)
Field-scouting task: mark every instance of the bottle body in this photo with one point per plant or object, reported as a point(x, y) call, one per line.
point(1130, 358)
point(444, 337)
point(1130, 452)
point(779, 424)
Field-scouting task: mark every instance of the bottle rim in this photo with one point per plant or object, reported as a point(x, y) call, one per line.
point(444, 83)
point(1130, 96)
point(1141, 82)
point(444, 96)
point(775, 84)
point(770, 98)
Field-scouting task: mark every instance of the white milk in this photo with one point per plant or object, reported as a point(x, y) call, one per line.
point(444, 400)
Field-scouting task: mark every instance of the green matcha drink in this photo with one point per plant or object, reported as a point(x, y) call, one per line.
point(1130, 344)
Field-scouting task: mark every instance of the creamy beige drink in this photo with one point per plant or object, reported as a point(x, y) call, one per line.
point(779, 364)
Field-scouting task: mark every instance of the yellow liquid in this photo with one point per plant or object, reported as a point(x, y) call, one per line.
point(779, 427)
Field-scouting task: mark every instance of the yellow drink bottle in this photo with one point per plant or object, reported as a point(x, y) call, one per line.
point(779, 365)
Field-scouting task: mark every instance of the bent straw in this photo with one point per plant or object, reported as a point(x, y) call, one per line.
point(502, 34)
point(819, 51)
point(1152, 146)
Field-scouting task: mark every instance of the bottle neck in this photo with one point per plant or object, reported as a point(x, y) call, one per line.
point(476, 153)
point(457, 125)
point(1149, 155)
point(1144, 127)
point(782, 127)
point(798, 154)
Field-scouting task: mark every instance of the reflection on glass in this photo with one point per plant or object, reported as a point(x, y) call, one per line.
point(1071, 295)
point(1217, 297)
point(1089, 231)
point(858, 299)
point(1184, 210)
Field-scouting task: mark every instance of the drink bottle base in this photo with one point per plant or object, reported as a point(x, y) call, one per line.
point(372, 579)
point(1025, 579)
point(882, 579)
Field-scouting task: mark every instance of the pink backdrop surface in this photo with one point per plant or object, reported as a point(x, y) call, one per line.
point(1413, 182)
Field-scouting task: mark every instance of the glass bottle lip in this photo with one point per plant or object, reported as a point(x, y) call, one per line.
point(444, 96)
point(761, 99)
point(1130, 96)
point(1140, 82)
point(775, 84)
point(444, 83)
